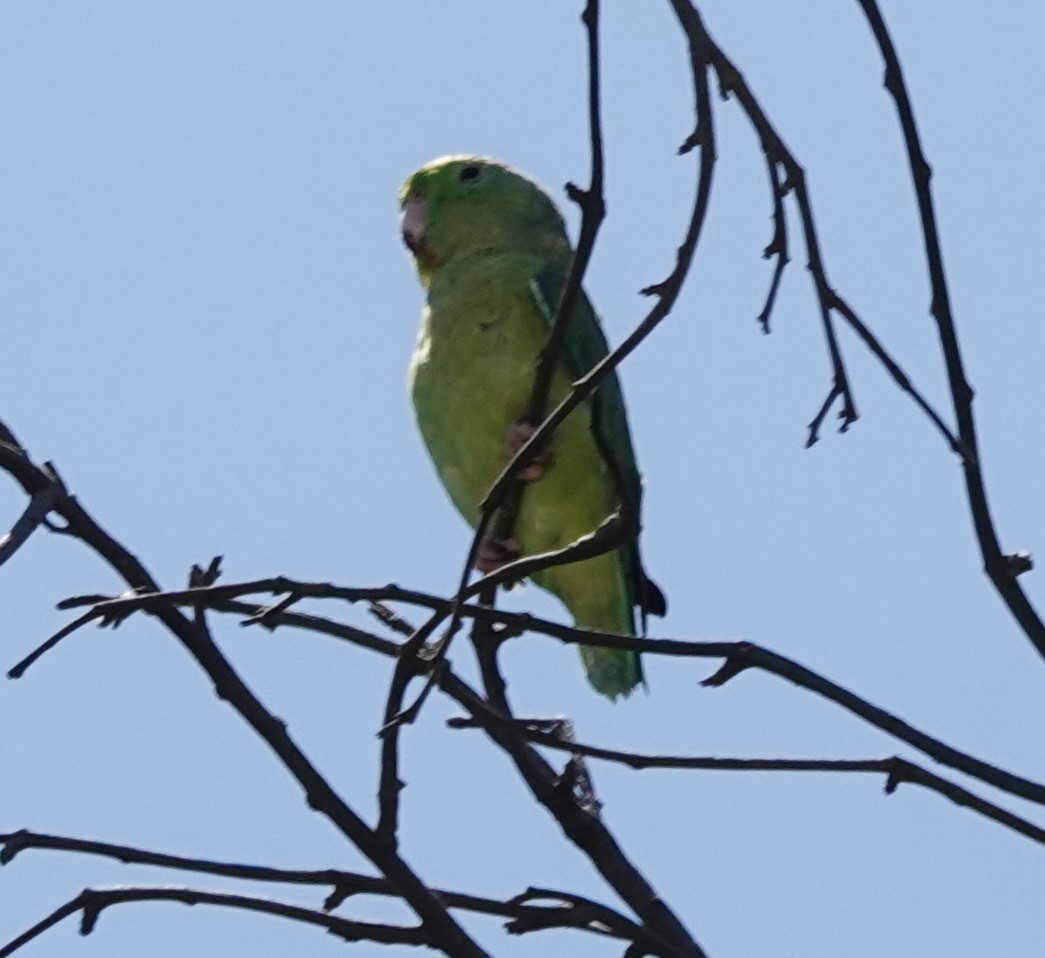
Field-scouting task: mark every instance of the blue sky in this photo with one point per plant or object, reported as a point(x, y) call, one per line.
point(207, 315)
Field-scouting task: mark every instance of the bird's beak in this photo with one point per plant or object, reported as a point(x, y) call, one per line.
point(412, 222)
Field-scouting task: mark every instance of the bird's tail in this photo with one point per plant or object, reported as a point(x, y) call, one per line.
point(612, 672)
point(596, 594)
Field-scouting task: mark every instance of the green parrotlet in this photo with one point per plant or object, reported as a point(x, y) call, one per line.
point(492, 254)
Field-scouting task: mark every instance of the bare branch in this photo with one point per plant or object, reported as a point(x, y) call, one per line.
point(732, 82)
point(778, 246)
point(440, 927)
point(501, 510)
point(19, 668)
point(575, 912)
point(738, 657)
point(899, 376)
point(31, 519)
point(612, 533)
point(593, 210)
point(896, 769)
point(93, 901)
point(578, 823)
point(997, 565)
point(390, 618)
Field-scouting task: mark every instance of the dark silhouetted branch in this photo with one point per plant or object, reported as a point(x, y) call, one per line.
point(500, 512)
point(777, 248)
point(896, 769)
point(738, 656)
point(31, 519)
point(578, 821)
point(574, 912)
point(999, 567)
point(440, 927)
point(91, 902)
point(732, 82)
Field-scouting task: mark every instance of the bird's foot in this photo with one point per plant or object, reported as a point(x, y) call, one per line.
point(519, 434)
point(494, 553)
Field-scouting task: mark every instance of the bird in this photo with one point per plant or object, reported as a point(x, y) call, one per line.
point(492, 254)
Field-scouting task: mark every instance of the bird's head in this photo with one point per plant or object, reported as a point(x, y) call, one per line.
point(457, 205)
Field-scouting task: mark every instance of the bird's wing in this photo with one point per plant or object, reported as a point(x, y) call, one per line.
point(584, 346)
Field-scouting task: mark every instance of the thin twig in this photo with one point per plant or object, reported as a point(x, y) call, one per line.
point(390, 618)
point(999, 567)
point(738, 656)
point(899, 376)
point(93, 901)
point(813, 429)
point(594, 915)
point(440, 926)
point(344, 885)
point(389, 784)
point(582, 827)
point(501, 511)
point(777, 248)
point(593, 211)
point(113, 609)
point(896, 769)
point(612, 533)
point(732, 82)
point(30, 520)
point(19, 668)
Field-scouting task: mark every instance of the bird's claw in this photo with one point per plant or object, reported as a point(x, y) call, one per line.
point(519, 433)
point(494, 553)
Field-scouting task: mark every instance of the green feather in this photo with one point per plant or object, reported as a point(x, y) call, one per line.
point(492, 253)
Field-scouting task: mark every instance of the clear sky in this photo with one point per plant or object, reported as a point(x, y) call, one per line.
point(206, 316)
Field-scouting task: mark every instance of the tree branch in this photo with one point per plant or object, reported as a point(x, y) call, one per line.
point(578, 913)
point(578, 823)
point(732, 82)
point(896, 769)
point(738, 657)
point(778, 245)
point(593, 211)
point(503, 512)
point(441, 929)
point(93, 901)
point(1000, 568)
point(31, 519)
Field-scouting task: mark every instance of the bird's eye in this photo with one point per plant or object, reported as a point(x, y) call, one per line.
point(469, 173)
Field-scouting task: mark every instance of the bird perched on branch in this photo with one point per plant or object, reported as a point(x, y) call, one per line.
point(491, 251)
